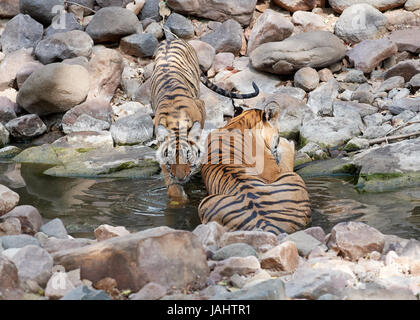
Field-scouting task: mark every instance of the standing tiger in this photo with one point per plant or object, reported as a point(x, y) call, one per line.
point(179, 112)
point(249, 177)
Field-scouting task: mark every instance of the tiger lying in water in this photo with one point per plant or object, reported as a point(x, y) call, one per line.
point(179, 112)
point(249, 192)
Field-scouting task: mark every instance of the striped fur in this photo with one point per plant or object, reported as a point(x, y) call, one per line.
point(241, 197)
point(179, 112)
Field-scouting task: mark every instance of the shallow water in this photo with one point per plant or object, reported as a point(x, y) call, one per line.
point(84, 204)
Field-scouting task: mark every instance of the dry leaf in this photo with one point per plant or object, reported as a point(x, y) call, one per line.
point(262, 7)
point(247, 33)
point(136, 6)
point(244, 46)
point(164, 11)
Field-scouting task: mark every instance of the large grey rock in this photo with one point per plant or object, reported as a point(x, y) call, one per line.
point(53, 244)
point(29, 217)
point(139, 45)
point(93, 115)
point(345, 108)
point(296, 5)
point(400, 105)
point(84, 293)
point(150, 10)
point(320, 100)
point(294, 112)
point(329, 131)
point(8, 199)
point(209, 234)
point(26, 127)
point(55, 228)
point(414, 82)
point(85, 139)
point(407, 39)
point(354, 240)
point(7, 110)
point(41, 10)
point(412, 5)
point(9, 280)
point(18, 241)
point(242, 81)
point(284, 257)
point(308, 283)
point(58, 285)
point(180, 26)
point(316, 49)
point(272, 289)
point(112, 3)
point(33, 263)
point(406, 69)
point(63, 22)
point(205, 53)
point(151, 291)
point(26, 70)
point(9, 8)
point(390, 167)
point(360, 22)
point(368, 54)
point(304, 242)
point(56, 87)
point(270, 26)
point(309, 21)
point(234, 250)
point(4, 135)
point(306, 78)
point(259, 240)
point(240, 10)
point(161, 255)
point(133, 129)
point(111, 24)
point(235, 265)
point(382, 5)
point(21, 32)
point(64, 45)
point(226, 38)
point(105, 69)
point(391, 83)
point(11, 65)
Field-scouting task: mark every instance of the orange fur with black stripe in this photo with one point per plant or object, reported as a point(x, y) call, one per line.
point(248, 195)
point(179, 112)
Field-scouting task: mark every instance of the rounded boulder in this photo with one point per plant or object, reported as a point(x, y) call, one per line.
point(54, 88)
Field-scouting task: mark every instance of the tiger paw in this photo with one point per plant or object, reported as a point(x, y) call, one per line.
point(177, 195)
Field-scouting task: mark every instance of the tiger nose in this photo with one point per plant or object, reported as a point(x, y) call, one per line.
point(180, 171)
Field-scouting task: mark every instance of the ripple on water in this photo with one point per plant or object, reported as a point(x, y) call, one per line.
point(84, 204)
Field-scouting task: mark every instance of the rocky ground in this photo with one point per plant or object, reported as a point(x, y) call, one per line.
point(355, 261)
point(74, 85)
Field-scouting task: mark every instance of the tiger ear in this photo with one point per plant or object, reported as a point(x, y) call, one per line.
point(271, 111)
point(195, 132)
point(161, 133)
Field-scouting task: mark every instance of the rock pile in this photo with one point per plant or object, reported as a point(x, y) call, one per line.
point(40, 260)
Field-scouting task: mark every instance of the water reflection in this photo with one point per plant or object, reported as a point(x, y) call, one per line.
point(83, 204)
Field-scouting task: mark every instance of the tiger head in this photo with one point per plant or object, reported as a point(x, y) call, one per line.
point(179, 148)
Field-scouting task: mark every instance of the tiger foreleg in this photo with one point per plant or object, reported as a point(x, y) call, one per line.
point(285, 155)
point(176, 192)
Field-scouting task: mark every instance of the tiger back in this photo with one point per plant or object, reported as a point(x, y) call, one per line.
point(248, 195)
point(179, 113)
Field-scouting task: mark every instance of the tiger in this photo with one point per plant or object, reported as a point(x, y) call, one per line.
point(270, 198)
point(179, 113)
